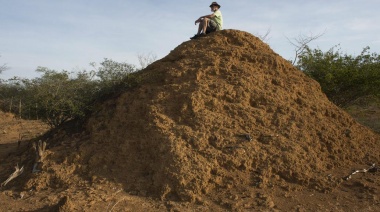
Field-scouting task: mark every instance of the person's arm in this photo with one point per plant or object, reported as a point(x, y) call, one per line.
point(205, 16)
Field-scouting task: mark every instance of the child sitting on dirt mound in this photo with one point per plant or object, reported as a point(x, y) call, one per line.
point(209, 23)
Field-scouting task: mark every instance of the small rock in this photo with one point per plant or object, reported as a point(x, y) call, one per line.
point(248, 137)
point(247, 205)
point(22, 194)
point(199, 200)
point(234, 197)
point(271, 204)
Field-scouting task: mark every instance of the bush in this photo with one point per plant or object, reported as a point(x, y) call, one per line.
point(57, 97)
point(342, 77)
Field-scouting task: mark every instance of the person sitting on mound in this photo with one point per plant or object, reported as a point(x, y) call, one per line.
point(209, 23)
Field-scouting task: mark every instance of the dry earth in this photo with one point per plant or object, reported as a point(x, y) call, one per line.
point(222, 123)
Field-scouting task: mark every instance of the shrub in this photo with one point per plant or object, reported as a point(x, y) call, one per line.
point(342, 77)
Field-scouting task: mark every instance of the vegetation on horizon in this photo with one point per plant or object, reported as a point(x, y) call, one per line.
point(57, 97)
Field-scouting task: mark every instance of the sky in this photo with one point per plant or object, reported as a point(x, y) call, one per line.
point(70, 34)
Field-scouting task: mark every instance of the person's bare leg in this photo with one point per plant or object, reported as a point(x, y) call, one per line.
point(205, 24)
point(200, 27)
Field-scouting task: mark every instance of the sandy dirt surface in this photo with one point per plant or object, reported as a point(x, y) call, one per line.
point(222, 123)
point(15, 137)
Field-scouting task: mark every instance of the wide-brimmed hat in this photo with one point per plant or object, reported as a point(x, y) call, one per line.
point(215, 3)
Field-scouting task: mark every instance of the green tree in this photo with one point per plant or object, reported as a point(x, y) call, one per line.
point(10, 93)
point(111, 73)
point(112, 77)
point(57, 97)
point(342, 77)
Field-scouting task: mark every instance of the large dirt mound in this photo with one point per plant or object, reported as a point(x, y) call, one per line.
point(219, 114)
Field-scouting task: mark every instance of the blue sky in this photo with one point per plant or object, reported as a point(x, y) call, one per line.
point(69, 34)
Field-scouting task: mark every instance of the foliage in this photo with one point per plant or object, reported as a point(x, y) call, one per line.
point(111, 72)
point(54, 97)
point(111, 76)
point(57, 97)
point(342, 77)
point(8, 91)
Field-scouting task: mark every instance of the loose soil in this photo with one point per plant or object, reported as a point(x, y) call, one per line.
point(222, 123)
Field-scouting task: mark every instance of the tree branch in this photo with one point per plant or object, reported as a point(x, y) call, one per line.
point(18, 171)
point(301, 42)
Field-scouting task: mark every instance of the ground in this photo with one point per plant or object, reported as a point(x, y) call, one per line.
point(360, 193)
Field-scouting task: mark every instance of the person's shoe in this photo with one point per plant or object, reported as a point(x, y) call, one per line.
point(194, 37)
point(202, 35)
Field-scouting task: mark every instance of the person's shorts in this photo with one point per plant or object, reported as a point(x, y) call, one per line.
point(211, 27)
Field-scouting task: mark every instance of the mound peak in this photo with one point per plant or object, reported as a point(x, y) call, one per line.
point(218, 115)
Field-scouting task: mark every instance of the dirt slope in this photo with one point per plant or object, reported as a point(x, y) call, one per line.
point(222, 122)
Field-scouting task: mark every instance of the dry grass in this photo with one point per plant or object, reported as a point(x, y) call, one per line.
point(366, 110)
